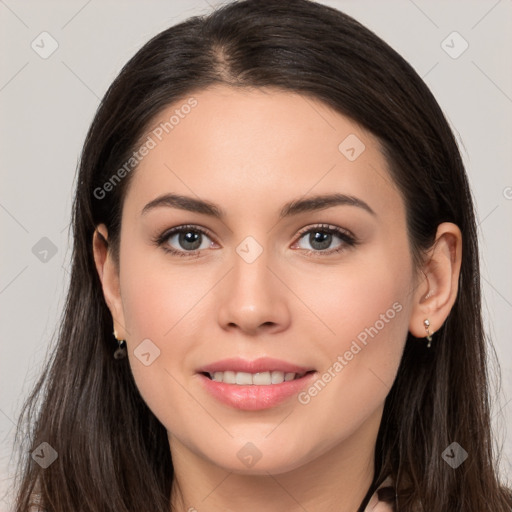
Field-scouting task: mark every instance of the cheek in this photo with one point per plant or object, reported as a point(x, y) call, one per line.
point(366, 298)
point(367, 308)
point(157, 294)
point(370, 326)
point(362, 308)
point(163, 302)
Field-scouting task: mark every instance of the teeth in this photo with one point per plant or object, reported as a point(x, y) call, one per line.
point(243, 378)
point(257, 379)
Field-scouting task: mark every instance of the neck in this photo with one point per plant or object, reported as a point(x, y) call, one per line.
point(337, 479)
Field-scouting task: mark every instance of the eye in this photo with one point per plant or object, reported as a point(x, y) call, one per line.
point(189, 240)
point(184, 240)
point(320, 239)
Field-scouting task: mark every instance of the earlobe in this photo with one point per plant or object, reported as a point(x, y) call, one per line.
point(437, 289)
point(109, 277)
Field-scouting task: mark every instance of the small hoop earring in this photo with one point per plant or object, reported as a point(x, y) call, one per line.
point(120, 352)
point(426, 323)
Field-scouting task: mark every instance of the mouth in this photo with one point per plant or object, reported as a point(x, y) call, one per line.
point(254, 385)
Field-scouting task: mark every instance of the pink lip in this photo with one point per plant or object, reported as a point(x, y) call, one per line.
point(253, 397)
point(263, 364)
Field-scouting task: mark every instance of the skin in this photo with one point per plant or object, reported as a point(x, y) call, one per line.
point(250, 151)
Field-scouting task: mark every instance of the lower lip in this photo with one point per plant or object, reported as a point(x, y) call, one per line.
point(253, 397)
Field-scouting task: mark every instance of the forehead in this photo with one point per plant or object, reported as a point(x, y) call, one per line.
point(258, 144)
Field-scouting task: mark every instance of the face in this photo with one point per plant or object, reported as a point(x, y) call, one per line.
point(262, 283)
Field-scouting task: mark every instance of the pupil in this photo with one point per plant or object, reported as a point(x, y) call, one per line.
point(322, 239)
point(190, 238)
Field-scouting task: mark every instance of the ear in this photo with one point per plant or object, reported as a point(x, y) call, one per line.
point(109, 277)
point(437, 289)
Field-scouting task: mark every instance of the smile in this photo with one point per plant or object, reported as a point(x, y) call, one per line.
point(254, 385)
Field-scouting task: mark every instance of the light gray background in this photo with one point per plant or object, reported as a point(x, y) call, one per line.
point(46, 106)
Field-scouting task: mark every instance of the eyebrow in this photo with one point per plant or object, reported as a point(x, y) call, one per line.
point(295, 207)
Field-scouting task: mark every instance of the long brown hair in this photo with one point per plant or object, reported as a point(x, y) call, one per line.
point(113, 454)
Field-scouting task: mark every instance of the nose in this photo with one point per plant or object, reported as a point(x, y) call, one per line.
point(253, 299)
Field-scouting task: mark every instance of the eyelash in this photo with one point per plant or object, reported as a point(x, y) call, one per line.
point(347, 238)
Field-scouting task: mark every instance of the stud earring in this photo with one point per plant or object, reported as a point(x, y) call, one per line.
point(426, 323)
point(120, 352)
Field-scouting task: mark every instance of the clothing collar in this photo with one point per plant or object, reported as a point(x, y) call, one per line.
point(376, 505)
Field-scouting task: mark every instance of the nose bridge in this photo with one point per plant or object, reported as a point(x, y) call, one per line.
point(251, 275)
point(251, 279)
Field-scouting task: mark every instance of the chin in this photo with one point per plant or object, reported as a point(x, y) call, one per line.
point(248, 458)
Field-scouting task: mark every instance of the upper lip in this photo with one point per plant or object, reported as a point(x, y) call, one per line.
point(263, 364)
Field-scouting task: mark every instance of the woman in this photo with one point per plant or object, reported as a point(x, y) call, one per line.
point(274, 301)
